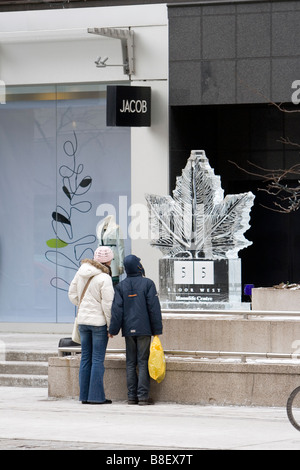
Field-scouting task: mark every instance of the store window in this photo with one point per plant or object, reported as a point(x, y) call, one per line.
point(62, 172)
point(248, 134)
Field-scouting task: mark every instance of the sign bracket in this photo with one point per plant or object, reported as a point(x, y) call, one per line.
point(126, 36)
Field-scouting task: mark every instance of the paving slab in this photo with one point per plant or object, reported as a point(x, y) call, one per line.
point(30, 420)
point(30, 342)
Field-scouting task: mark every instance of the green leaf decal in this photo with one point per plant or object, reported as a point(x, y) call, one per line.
point(56, 243)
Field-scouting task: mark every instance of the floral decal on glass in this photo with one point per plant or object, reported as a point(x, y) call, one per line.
point(75, 185)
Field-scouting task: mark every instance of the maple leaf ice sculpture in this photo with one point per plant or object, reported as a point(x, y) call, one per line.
point(198, 222)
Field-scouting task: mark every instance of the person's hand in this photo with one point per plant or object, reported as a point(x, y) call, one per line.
point(110, 336)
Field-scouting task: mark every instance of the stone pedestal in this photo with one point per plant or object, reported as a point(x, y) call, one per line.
point(207, 379)
point(201, 382)
point(271, 299)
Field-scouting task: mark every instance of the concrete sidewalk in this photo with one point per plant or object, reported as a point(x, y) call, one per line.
point(31, 420)
point(46, 342)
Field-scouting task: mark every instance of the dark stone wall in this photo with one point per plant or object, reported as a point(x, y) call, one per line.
point(228, 62)
point(233, 53)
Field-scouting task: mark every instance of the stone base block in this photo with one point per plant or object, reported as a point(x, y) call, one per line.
point(271, 299)
point(189, 381)
point(63, 377)
point(199, 283)
point(231, 333)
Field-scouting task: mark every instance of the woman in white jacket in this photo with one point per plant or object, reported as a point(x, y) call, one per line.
point(94, 319)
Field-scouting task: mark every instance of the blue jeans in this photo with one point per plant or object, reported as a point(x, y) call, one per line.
point(137, 355)
point(91, 371)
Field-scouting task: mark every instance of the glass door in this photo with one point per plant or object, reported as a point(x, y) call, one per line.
point(62, 171)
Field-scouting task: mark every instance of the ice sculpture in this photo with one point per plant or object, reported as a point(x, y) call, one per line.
point(198, 221)
point(198, 224)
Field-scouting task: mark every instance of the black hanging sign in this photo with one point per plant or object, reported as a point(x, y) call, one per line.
point(128, 106)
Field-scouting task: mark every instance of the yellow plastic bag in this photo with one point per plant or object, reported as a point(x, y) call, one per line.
point(157, 361)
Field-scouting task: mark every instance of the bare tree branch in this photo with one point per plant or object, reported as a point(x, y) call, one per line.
point(287, 141)
point(287, 196)
point(272, 103)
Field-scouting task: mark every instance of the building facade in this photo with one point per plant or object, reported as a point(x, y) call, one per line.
point(63, 169)
point(231, 63)
point(217, 72)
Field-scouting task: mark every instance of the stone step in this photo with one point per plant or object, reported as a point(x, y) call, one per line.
point(23, 380)
point(32, 356)
point(24, 368)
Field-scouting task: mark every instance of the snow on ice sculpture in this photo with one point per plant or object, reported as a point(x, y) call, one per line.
point(198, 222)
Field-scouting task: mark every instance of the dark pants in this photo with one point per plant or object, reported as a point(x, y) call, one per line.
point(137, 355)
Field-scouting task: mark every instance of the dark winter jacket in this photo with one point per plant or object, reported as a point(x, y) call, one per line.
point(136, 307)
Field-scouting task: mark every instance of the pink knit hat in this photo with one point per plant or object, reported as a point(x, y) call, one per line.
point(103, 254)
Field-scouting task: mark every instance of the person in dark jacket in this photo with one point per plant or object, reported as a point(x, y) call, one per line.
point(136, 310)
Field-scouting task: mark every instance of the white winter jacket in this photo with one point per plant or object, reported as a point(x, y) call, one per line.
point(95, 308)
